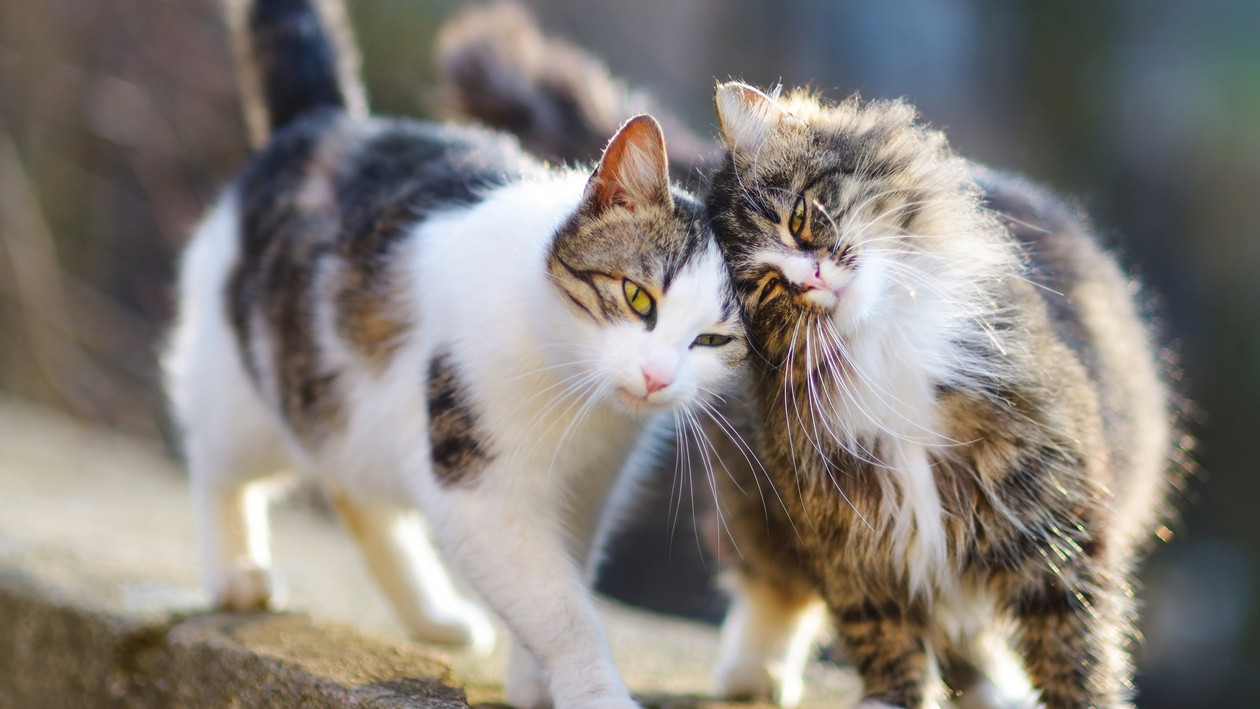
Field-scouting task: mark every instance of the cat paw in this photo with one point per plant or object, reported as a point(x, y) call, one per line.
point(989, 695)
point(248, 587)
point(464, 625)
point(751, 679)
point(525, 690)
point(611, 703)
point(876, 704)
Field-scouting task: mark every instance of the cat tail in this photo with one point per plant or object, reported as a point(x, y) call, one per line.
point(495, 66)
point(296, 56)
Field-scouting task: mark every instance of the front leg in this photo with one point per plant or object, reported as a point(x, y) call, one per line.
point(408, 570)
point(767, 637)
point(886, 639)
point(515, 552)
point(588, 519)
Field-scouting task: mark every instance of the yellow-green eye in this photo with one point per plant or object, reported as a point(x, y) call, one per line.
point(797, 221)
point(638, 299)
point(710, 340)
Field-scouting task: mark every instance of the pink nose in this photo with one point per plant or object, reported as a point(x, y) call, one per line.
point(655, 382)
point(814, 281)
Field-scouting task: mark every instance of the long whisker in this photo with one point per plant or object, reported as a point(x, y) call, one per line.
point(705, 449)
point(590, 399)
point(753, 461)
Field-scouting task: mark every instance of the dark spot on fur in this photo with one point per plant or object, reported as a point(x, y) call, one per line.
point(458, 446)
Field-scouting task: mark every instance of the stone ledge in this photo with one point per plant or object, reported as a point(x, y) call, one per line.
point(61, 655)
point(98, 606)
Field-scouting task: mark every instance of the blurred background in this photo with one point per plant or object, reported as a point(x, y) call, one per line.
point(119, 121)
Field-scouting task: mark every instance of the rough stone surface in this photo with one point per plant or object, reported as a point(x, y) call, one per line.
point(99, 604)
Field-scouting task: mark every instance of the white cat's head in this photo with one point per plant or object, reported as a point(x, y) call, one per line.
point(652, 319)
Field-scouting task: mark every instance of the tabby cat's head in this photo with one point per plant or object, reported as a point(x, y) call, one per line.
point(843, 217)
point(654, 321)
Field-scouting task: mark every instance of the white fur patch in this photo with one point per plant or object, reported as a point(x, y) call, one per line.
point(748, 116)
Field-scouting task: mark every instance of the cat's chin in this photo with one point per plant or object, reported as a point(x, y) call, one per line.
point(845, 305)
point(848, 313)
point(821, 299)
point(638, 405)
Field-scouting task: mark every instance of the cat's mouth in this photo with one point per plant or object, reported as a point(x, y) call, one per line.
point(639, 402)
point(824, 299)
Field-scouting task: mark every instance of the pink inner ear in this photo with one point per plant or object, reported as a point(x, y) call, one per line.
point(634, 169)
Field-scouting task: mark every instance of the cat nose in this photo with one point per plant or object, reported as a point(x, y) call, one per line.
point(814, 281)
point(655, 381)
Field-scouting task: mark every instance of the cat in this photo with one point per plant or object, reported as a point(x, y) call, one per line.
point(969, 431)
point(420, 317)
point(964, 429)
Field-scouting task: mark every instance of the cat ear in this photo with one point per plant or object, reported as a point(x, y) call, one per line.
point(749, 117)
point(634, 170)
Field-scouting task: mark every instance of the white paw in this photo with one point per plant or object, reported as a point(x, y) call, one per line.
point(525, 688)
point(526, 691)
point(463, 625)
point(611, 703)
point(989, 695)
point(753, 679)
point(246, 586)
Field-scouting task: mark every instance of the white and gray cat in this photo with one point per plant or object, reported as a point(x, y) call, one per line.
point(420, 317)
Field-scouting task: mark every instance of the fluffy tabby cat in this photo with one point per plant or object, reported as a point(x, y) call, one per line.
point(962, 421)
point(968, 429)
point(421, 317)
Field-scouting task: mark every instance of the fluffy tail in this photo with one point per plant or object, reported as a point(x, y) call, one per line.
point(296, 56)
point(497, 67)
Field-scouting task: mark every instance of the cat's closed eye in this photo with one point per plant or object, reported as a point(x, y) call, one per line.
point(796, 222)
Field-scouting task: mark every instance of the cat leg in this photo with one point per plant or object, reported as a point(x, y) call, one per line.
point(232, 532)
point(231, 446)
point(589, 519)
point(525, 686)
point(1073, 637)
point(887, 640)
point(514, 551)
point(410, 572)
point(775, 613)
point(767, 637)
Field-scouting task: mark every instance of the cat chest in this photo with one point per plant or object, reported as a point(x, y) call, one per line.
point(854, 518)
point(858, 513)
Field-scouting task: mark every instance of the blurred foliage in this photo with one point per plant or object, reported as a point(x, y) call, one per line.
point(119, 121)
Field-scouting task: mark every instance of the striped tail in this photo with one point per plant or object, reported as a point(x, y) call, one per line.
point(296, 56)
point(496, 66)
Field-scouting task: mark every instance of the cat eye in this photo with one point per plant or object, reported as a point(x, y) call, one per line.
point(796, 223)
point(638, 299)
point(710, 340)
